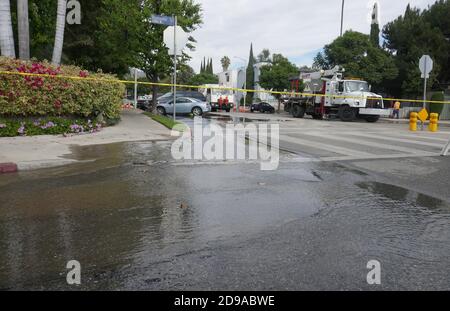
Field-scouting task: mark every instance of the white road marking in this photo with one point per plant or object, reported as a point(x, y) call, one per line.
point(373, 144)
point(401, 140)
point(323, 146)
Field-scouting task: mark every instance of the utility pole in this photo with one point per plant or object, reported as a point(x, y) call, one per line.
point(342, 17)
point(175, 69)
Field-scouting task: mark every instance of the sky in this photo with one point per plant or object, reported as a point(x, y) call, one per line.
point(298, 29)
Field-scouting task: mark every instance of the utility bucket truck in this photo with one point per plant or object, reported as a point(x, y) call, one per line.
point(328, 94)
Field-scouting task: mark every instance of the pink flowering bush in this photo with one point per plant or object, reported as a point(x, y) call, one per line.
point(47, 126)
point(32, 96)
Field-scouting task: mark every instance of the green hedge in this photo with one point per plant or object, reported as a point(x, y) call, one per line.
point(26, 96)
point(437, 108)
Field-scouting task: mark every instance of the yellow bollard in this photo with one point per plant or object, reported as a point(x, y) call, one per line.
point(413, 121)
point(434, 117)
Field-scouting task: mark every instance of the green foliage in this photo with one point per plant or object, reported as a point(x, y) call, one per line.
point(204, 78)
point(375, 35)
point(207, 66)
point(276, 76)
point(167, 122)
point(46, 96)
point(437, 108)
point(11, 127)
point(225, 61)
point(264, 56)
point(360, 58)
point(412, 35)
point(251, 75)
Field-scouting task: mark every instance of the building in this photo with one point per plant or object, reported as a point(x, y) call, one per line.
point(235, 78)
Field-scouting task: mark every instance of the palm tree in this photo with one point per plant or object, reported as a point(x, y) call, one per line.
point(6, 33)
point(23, 29)
point(59, 36)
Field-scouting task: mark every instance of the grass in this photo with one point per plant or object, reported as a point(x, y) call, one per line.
point(167, 122)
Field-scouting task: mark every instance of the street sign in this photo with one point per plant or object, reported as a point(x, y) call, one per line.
point(423, 115)
point(163, 20)
point(426, 66)
point(181, 39)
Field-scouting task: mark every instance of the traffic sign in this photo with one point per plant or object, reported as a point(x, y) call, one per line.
point(163, 20)
point(423, 115)
point(181, 39)
point(426, 66)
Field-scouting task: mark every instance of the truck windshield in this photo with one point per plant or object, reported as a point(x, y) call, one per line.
point(356, 86)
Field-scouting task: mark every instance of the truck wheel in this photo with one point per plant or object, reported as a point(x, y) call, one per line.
point(317, 116)
point(372, 119)
point(298, 111)
point(347, 114)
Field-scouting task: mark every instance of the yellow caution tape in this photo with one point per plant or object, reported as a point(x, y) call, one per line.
point(211, 87)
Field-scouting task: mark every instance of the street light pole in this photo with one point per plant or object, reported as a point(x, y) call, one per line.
point(175, 69)
point(342, 17)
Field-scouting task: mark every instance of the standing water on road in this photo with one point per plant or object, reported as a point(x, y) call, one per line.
point(134, 219)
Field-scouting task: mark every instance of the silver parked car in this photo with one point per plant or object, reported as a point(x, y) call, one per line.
point(185, 105)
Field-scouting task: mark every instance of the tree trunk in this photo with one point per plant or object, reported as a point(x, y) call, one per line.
point(59, 36)
point(155, 91)
point(23, 29)
point(6, 33)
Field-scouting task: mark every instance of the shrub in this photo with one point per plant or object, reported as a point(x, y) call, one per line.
point(437, 108)
point(46, 126)
point(51, 96)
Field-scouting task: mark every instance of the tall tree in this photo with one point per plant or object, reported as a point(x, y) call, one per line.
point(6, 32)
point(211, 68)
point(264, 56)
point(408, 38)
point(251, 75)
point(225, 61)
point(59, 34)
point(276, 76)
point(23, 29)
point(360, 58)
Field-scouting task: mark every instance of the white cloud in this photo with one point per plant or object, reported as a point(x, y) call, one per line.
point(295, 28)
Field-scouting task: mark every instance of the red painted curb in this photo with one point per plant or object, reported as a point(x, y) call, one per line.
point(8, 168)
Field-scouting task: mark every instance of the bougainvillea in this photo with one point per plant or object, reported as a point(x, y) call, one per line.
point(47, 126)
point(54, 95)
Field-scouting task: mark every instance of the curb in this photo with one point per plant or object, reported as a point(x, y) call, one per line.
point(8, 168)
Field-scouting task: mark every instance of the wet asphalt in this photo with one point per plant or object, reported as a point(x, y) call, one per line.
point(136, 220)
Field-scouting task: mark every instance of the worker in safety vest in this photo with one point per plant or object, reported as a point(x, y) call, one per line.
point(396, 113)
point(220, 102)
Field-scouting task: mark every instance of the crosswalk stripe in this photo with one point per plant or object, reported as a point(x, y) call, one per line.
point(323, 146)
point(401, 140)
point(373, 144)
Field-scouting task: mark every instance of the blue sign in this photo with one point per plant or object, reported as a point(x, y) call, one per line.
point(163, 20)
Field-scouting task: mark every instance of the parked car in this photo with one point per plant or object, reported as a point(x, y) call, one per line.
point(185, 105)
point(190, 94)
point(262, 107)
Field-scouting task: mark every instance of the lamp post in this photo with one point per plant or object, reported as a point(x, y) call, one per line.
point(342, 16)
point(245, 83)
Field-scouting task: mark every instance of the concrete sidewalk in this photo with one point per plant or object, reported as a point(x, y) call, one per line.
point(45, 151)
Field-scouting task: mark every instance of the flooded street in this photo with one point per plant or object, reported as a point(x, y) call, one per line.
point(134, 219)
